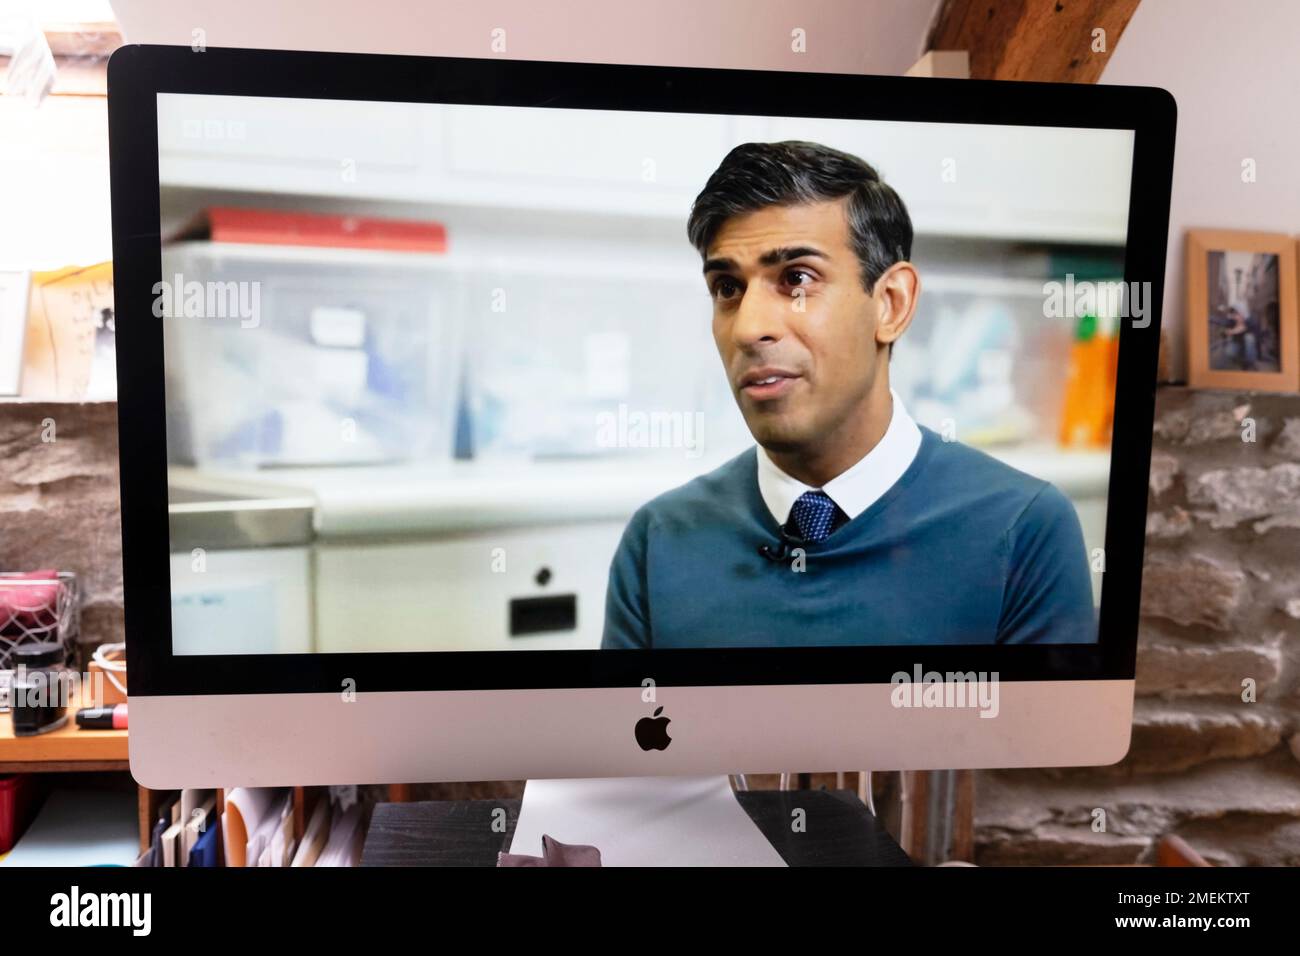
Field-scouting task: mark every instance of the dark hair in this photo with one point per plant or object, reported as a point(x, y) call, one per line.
point(756, 175)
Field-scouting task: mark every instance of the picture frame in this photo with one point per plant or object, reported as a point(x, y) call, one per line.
point(15, 289)
point(1243, 319)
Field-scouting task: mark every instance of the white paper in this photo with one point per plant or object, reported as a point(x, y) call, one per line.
point(313, 839)
point(250, 806)
point(282, 845)
point(343, 848)
point(259, 842)
point(191, 800)
point(644, 821)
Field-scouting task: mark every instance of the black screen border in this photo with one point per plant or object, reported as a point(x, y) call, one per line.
point(137, 74)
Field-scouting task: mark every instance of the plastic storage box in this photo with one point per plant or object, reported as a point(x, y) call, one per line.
point(598, 361)
point(309, 356)
point(981, 358)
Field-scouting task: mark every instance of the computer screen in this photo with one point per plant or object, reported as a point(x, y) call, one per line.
point(407, 312)
point(653, 377)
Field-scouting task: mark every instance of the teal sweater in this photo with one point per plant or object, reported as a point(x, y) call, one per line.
point(963, 549)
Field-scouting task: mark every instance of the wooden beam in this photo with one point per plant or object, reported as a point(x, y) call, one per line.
point(81, 53)
point(89, 40)
point(1049, 41)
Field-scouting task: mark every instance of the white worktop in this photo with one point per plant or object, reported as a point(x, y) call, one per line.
point(461, 496)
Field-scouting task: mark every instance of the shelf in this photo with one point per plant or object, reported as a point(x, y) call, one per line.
point(67, 749)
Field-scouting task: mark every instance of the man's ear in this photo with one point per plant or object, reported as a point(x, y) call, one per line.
point(895, 293)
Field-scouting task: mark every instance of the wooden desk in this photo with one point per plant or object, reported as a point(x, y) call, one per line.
point(841, 831)
point(67, 749)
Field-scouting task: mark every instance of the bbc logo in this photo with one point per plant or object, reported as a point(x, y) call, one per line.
point(214, 129)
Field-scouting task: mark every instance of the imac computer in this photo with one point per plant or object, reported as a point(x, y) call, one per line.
point(485, 419)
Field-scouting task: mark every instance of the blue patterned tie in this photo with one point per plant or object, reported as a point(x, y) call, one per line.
point(814, 515)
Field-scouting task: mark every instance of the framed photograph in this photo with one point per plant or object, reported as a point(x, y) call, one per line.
point(14, 286)
point(1243, 323)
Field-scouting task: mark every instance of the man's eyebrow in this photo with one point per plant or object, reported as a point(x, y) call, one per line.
point(786, 253)
point(769, 258)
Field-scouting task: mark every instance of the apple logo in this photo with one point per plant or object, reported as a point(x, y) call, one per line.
point(652, 732)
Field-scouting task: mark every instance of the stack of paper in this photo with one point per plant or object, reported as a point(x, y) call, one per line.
point(315, 836)
point(184, 833)
point(256, 830)
point(258, 827)
point(345, 840)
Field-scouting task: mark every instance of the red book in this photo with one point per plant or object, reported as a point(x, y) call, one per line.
point(281, 228)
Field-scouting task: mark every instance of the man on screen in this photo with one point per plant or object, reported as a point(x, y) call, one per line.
point(848, 523)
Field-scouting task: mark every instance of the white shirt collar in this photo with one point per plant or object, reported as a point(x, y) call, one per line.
point(856, 489)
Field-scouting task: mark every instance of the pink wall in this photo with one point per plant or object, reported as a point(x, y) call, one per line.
point(1233, 69)
point(1231, 66)
point(843, 36)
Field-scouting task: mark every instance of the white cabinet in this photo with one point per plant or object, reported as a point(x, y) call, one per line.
point(581, 149)
point(467, 592)
point(1036, 183)
point(316, 147)
point(242, 601)
point(595, 161)
point(996, 182)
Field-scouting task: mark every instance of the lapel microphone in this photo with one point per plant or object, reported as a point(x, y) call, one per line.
point(782, 549)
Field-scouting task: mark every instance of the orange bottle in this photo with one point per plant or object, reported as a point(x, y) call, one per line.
point(1089, 387)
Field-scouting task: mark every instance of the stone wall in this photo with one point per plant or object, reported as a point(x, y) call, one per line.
point(59, 502)
point(1220, 606)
